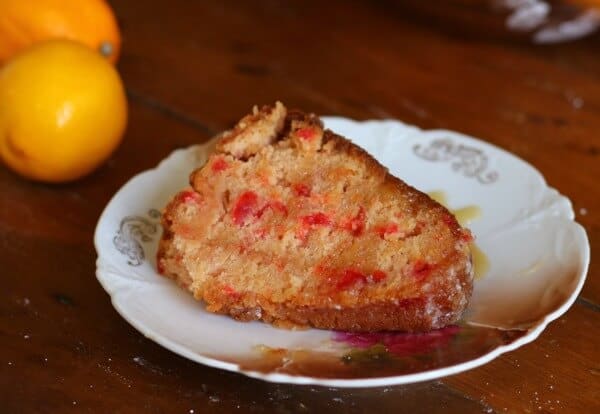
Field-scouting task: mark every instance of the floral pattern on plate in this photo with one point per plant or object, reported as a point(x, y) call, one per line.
point(381, 354)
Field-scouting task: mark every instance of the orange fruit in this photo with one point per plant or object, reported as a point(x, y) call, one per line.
point(25, 22)
point(63, 111)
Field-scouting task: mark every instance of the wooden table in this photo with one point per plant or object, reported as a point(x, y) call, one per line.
point(191, 68)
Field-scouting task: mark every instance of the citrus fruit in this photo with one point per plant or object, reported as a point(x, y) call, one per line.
point(63, 111)
point(25, 22)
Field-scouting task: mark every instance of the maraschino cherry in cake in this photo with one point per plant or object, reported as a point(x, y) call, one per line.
point(296, 226)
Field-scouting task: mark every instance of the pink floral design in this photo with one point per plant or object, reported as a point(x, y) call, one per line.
point(399, 343)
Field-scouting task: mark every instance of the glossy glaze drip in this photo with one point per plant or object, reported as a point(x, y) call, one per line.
point(481, 263)
point(467, 214)
point(464, 216)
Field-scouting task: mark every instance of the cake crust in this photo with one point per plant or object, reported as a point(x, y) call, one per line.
point(296, 226)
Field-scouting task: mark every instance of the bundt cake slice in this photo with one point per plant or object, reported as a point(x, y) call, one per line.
point(296, 226)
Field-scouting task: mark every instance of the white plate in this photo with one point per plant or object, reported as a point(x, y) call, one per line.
point(538, 261)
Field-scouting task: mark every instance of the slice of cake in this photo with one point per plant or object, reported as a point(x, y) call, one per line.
point(294, 225)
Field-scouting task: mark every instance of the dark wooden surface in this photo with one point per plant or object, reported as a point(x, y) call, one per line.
point(191, 68)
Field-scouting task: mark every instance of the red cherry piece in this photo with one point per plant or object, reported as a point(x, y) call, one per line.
point(349, 278)
point(302, 190)
point(307, 133)
point(421, 269)
point(389, 228)
point(245, 207)
point(276, 206)
point(189, 196)
point(378, 276)
point(316, 219)
point(219, 165)
point(311, 220)
point(230, 291)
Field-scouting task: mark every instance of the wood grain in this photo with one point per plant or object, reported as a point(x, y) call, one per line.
point(540, 103)
point(545, 375)
point(191, 69)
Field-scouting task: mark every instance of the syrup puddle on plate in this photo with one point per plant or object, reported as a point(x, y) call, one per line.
point(464, 216)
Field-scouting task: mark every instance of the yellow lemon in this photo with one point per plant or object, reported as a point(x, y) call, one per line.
point(63, 111)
